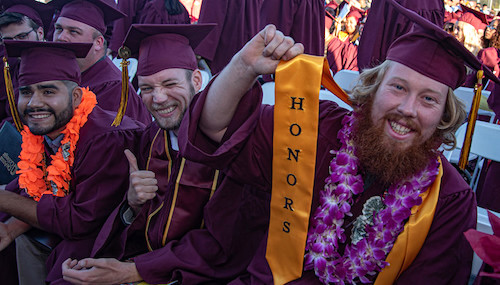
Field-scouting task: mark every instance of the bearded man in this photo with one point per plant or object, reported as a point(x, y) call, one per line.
point(72, 171)
point(376, 172)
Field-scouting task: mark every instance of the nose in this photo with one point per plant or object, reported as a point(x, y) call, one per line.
point(408, 106)
point(159, 95)
point(35, 101)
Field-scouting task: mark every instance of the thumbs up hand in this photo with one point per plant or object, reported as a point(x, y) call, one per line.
point(142, 185)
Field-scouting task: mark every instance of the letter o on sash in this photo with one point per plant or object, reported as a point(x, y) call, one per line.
point(297, 128)
point(291, 179)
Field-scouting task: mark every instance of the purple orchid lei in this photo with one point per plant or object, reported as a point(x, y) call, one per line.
point(367, 256)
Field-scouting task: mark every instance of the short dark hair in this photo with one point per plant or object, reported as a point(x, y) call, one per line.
point(96, 34)
point(9, 18)
point(70, 85)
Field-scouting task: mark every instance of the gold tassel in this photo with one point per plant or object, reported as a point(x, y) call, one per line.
point(124, 53)
point(471, 122)
point(10, 95)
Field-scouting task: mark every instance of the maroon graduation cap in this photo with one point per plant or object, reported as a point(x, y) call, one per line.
point(38, 12)
point(46, 61)
point(485, 19)
point(165, 46)
point(431, 51)
point(356, 13)
point(95, 13)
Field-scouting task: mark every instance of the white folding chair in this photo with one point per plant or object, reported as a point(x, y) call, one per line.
point(268, 93)
point(268, 96)
point(484, 144)
point(466, 95)
point(346, 79)
point(327, 95)
point(132, 67)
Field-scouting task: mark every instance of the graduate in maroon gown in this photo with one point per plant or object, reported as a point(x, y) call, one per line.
point(82, 21)
point(341, 55)
point(66, 191)
point(192, 235)
point(404, 109)
point(384, 25)
point(237, 22)
point(146, 12)
point(20, 20)
point(302, 20)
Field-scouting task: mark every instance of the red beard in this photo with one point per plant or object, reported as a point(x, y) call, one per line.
point(385, 158)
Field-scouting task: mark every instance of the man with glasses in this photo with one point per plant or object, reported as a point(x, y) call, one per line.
point(22, 20)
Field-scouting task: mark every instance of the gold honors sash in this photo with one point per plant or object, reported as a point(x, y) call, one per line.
point(296, 115)
point(410, 241)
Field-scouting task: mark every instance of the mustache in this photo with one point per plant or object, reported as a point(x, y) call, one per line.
point(406, 121)
point(35, 110)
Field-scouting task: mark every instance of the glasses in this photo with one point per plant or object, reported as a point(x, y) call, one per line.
point(21, 36)
point(491, 27)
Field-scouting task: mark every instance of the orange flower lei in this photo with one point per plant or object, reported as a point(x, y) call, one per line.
point(55, 178)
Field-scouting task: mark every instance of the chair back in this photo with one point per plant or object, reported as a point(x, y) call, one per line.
point(346, 79)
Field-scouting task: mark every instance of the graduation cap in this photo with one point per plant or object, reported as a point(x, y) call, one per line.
point(95, 13)
point(477, 19)
point(44, 61)
point(165, 46)
point(431, 51)
point(159, 47)
point(356, 13)
point(38, 12)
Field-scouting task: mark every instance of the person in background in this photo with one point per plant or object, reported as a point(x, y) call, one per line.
point(237, 22)
point(146, 12)
point(82, 21)
point(23, 20)
point(383, 25)
point(491, 38)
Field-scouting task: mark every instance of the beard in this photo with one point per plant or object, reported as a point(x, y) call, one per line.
point(60, 119)
point(385, 158)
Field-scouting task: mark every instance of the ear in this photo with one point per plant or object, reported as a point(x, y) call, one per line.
point(40, 34)
point(99, 43)
point(77, 94)
point(197, 80)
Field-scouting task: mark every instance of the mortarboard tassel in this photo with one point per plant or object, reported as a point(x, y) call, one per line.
point(124, 53)
point(471, 122)
point(10, 95)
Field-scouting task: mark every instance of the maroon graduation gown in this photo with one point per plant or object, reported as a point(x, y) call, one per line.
point(105, 80)
point(245, 155)
point(384, 25)
point(99, 181)
point(237, 22)
point(217, 251)
point(303, 20)
point(142, 12)
point(342, 55)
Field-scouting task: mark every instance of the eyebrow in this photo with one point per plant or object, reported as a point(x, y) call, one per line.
point(47, 86)
point(406, 82)
point(68, 27)
point(25, 88)
point(168, 80)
